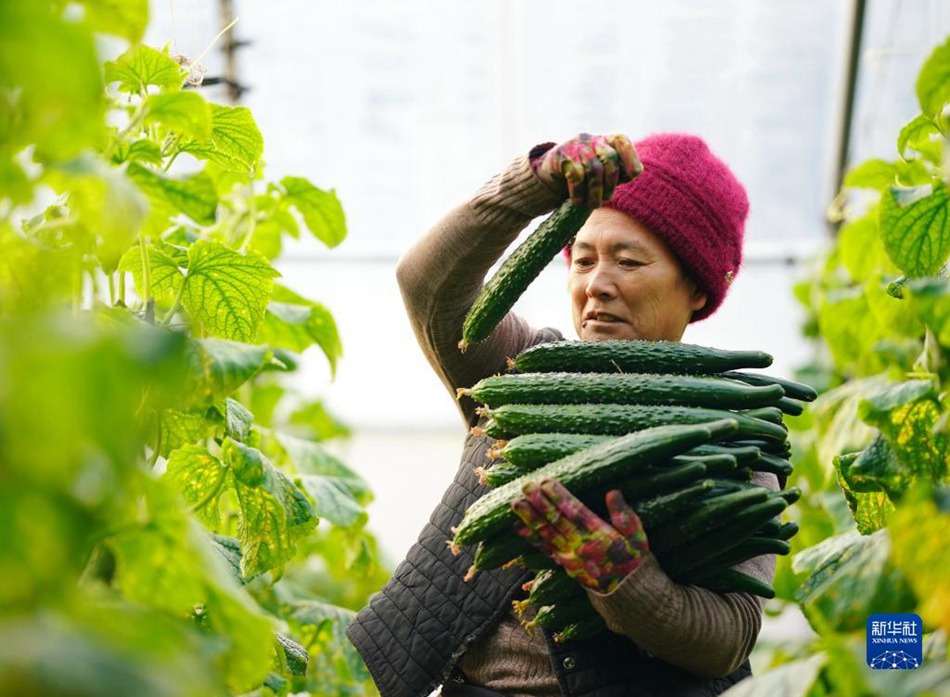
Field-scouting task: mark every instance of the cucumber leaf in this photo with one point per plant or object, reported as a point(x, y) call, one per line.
point(852, 578)
point(184, 113)
point(915, 228)
point(201, 478)
point(141, 67)
point(219, 367)
point(919, 550)
point(193, 195)
point(321, 210)
point(933, 81)
point(226, 292)
point(124, 18)
point(921, 137)
point(295, 323)
point(235, 142)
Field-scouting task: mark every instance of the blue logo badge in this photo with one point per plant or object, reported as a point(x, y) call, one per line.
point(895, 641)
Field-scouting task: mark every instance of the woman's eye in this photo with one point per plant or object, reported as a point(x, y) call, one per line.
point(583, 262)
point(630, 263)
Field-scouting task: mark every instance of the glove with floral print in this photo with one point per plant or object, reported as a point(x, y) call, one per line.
point(596, 553)
point(587, 168)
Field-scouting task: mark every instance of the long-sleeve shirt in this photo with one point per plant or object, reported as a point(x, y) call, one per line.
point(701, 631)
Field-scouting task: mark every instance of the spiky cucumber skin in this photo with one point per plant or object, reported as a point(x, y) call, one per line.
point(521, 267)
point(614, 419)
point(603, 464)
point(635, 356)
point(622, 388)
point(535, 449)
point(793, 390)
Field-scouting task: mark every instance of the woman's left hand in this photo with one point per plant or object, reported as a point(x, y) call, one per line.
point(596, 553)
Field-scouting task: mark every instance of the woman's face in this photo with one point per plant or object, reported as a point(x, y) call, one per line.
point(625, 282)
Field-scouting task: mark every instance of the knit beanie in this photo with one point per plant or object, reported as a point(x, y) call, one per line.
point(691, 199)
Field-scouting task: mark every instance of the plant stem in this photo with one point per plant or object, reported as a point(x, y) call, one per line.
point(251, 217)
point(146, 276)
point(111, 289)
point(176, 304)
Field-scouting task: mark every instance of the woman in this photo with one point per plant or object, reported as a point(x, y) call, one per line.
point(659, 251)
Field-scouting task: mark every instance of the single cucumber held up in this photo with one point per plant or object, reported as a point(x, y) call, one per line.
point(517, 272)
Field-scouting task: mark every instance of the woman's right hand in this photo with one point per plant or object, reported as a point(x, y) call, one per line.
point(588, 168)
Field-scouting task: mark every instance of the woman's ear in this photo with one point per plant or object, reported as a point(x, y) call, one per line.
point(698, 299)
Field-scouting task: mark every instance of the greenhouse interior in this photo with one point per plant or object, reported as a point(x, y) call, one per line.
point(509, 348)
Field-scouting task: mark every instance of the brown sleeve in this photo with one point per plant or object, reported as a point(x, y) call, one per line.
point(699, 630)
point(442, 273)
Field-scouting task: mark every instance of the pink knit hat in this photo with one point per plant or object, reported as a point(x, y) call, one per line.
point(691, 199)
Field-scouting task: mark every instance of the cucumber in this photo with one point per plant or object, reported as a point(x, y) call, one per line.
point(713, 511)
point(795, 390)
point(559, 615)
point(743, 454)
point(656, 511)
point(502, 472)
point(553, 586)
point(790, 406)
point(786, 531)
point(732, 581)
point(656, 480)
point(772, 414)
point(535, 449)
point(521, 267)
point(770, 463)
point(771, 447)
point(747, 549)
point(740, 527)
point(585, 629)
point(498, 551)
point(637, 356)
point(589, 469)
point(613, 419)
point(624, 388)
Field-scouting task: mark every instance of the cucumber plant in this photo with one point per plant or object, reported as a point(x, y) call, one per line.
point(872, 451)
point(157, 505)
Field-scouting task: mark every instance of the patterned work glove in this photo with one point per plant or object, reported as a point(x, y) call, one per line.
point(596, 553)
point(587, 168)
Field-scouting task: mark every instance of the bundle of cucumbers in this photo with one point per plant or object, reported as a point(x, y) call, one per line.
point(680, 429)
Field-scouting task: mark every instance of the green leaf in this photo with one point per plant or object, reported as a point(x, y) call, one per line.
point(193, 195)
point(144, 151)
point(141, 67)
point(14, 185)
point(229, 548)
point(53, 96)
point(220, 367)
point(335, 664)
point(184, 113)
point(274, 512)
point(915, 228)
point(226, 293)
point(860, 247)
point(315, 422)
point(238, 420)
point(295, 323)
point(338, 493)
point(906, 414)
point(933, 82)
point(295, 655)
point(124, 18)
point(872, 174)
point(235, 142)
point(919, 550)
point(321, 210)
point(929, 299)
point(201, 478)
point(165, 276)
point(877, 468)
point(921, 137)
point(853, 579)
point(836, 428)
point(179, 427)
